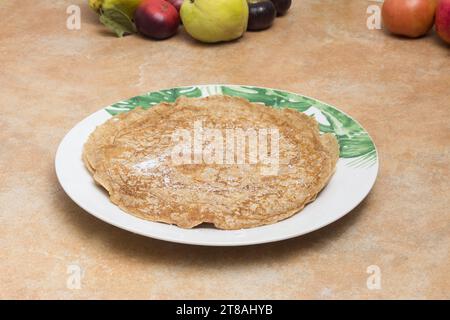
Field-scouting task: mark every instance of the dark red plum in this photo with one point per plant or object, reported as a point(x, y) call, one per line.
point(282, 6)
point(157, 19)
point(176, 3)
point(262, 13)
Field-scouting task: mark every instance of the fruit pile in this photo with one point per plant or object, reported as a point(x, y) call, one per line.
point(205, 20)
point(415, 18)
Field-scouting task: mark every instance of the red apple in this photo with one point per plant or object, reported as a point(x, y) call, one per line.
point(443, 20)
point(176, 3)
point(157, 19)
point(410, 18)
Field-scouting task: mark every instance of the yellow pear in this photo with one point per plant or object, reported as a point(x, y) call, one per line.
point(215, 20)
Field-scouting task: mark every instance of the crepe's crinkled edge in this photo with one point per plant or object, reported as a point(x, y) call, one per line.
point(106, 144)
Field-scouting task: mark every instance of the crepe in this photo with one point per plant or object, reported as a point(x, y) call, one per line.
point(132, 156)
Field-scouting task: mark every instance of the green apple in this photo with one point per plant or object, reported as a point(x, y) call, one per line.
point(215, 20)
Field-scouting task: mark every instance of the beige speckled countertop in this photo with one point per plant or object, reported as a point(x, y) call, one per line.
point(399, 90)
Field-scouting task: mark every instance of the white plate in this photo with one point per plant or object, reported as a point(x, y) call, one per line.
point(354, 177)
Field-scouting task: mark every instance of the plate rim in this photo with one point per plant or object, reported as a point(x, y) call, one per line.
point(234, 242)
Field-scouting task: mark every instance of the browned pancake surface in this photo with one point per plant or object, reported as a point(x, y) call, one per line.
point(130, 156)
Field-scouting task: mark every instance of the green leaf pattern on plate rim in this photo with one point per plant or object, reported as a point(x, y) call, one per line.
point(354, 141)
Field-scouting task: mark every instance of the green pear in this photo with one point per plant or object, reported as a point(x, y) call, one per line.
point(126, 6)
point(215, 20)
point(95, 4)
